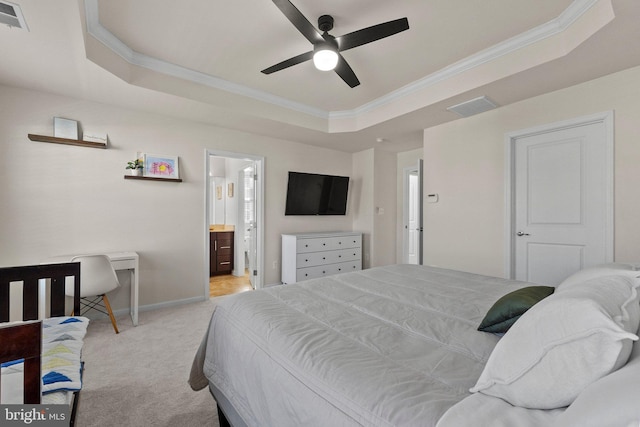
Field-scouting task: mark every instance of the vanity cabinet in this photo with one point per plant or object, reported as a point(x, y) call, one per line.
point(221, 253)
point(311, 255)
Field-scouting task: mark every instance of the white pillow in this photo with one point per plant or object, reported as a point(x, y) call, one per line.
point(610, 401)
point(609, 269)
point(599, 290)
point(564, 343)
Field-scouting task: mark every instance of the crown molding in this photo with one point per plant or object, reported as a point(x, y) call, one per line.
point(535, 35)
point(557, 25)
point(100, 33)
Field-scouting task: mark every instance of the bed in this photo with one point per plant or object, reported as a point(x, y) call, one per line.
point(40, 358)
point(399, 346)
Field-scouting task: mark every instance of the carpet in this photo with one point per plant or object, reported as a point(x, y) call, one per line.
point(139, 376)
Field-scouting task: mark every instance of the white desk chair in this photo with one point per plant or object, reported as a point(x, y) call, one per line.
point(97, 277)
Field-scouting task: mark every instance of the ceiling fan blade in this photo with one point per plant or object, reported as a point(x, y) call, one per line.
point(371, 34)
point(299, 21)
point(346, 73)
point(289, 62)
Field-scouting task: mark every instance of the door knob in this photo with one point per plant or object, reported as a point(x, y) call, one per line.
point(522, 233)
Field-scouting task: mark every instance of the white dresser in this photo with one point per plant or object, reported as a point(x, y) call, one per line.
point(310, 255)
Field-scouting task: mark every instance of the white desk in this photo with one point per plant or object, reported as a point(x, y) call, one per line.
point(119, 261)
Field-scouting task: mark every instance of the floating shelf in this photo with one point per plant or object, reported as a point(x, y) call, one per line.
point(53, 139)
point(152, 178)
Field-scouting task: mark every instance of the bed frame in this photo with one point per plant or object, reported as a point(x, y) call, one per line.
point(24, 341)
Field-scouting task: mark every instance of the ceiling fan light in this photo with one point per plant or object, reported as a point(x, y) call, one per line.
point(325, 59)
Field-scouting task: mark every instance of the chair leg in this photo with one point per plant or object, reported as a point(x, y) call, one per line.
point(111, 316)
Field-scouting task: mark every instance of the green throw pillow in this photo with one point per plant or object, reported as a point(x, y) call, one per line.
point(510, 307)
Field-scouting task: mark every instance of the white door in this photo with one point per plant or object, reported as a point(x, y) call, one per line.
point(562, 202)
point(412, 214)
point(250, 223)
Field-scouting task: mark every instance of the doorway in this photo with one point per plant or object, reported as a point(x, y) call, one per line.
point(234, 214)
point(412, 215)
point(560, 191)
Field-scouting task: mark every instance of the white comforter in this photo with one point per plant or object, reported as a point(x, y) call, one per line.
point(388, 346)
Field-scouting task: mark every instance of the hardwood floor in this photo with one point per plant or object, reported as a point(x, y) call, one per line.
point(228, 284)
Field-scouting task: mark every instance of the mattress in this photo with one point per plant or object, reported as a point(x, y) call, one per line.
point(388, 346)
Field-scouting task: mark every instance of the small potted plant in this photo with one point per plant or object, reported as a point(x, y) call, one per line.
point(135, 166)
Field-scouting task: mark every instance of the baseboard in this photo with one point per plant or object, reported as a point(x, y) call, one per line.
point(149, 307)
point(272, 284)
point(168, 304)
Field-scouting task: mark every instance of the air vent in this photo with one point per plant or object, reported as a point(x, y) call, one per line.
point(472, 107)
point(11, 15)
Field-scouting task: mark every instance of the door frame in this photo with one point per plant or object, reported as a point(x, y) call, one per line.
point(405, 210)
point(511, 138)
point(259, 161)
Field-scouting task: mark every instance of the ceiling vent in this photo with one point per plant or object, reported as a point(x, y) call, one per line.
point(474, 106)
point(11, 15)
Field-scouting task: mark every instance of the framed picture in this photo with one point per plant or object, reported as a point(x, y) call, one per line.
point(158, 166)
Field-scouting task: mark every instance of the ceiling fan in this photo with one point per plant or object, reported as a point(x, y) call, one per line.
point(326, 48)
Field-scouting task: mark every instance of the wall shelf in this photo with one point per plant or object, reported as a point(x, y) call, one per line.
point(55, 140)
point(151, 178)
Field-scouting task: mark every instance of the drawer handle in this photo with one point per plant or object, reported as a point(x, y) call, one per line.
point(323, 258)
point(225, 247)
point(324, 244)
point(339, 256)
point(323, 272)
point(225, 263)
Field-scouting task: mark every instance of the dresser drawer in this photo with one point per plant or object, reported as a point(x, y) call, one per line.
point(345, 267)
point(329, 257)
point(311, 273)
point(327, 243)
point(313, 245)
point(327, 270)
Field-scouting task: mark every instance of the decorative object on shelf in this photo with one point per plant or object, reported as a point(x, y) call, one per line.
point(95, 137)
point(65, 128)
point(135, 167)
point(158, 166)
point(230, 190)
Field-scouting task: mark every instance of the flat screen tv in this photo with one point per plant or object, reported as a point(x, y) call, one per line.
point(315, 194)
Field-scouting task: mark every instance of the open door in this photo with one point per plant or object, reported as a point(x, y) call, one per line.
point(412, 215)
point(249, 179)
